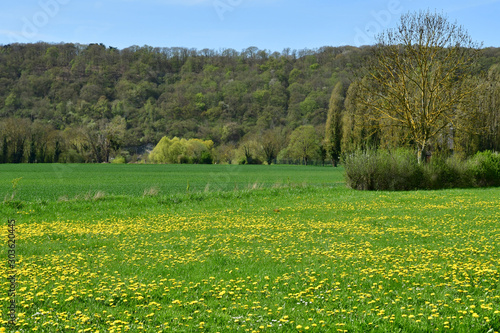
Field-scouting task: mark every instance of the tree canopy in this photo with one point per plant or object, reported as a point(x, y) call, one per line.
point(90, 103)
point(418, 79)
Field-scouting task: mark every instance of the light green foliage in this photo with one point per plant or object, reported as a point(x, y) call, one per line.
point(177, 150)
point(118, 160)
point(359, 128)
point(304, 143)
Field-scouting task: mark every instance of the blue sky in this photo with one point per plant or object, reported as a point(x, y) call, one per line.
point(215, 24)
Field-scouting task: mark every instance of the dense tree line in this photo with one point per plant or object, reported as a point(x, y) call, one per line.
point(88, 103)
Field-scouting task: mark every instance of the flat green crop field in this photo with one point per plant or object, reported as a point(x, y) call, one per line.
point(53, 181)
point(260, 249)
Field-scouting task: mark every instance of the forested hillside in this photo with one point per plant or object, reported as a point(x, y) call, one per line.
point(87, 103)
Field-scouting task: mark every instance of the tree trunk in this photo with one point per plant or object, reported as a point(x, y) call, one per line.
point(420, 154)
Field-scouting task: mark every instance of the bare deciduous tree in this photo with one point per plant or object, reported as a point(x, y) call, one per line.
point(418, 73)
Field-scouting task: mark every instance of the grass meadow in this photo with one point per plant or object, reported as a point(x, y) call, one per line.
point(215, 248)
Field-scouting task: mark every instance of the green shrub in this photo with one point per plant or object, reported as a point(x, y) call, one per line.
point(485, 167)
point(118, 160)
point(395, 171)
point(206, 158)
point(361, 169)
point(447, 173)
point(183, 159)
point(382, 170)
point(399, 170)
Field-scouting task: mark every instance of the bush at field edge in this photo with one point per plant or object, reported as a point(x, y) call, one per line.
point(399, 171)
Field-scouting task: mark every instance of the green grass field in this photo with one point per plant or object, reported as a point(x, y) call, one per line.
point(258, 249)
point(53, 181)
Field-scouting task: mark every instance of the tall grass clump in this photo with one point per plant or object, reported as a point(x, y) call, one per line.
point(399, 171)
